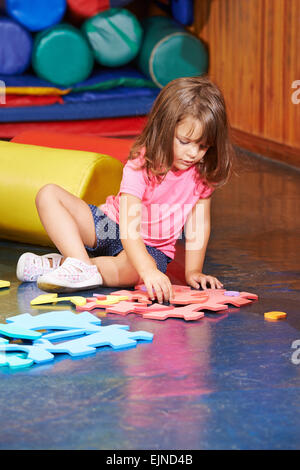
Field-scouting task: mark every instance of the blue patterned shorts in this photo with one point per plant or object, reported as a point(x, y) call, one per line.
point(109, 243)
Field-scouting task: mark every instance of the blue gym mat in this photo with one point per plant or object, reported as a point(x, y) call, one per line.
point(90, 104)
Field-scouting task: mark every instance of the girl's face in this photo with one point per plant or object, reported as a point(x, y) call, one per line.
point(187, 146)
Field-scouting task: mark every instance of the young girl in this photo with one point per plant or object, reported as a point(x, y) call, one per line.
point(182, 155)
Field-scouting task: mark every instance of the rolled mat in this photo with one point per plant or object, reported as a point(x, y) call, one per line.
point(117, 148)
point(36, 15)
point(15, 48)
point(26, 168)
point(183, 11)
point(169, 52)
point(115, 36)
point(80, 10)
point(62, 55)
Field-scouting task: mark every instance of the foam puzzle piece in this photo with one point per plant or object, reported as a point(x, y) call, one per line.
point(95, 303)
point(158, 311)
point(4, 284)
point(123, 308)
point(15, 361)
point(15, 331)
point(62, 320)
point(176, 288)
point(53, 298)
point(140, 296)
point(109, 299)
point(274, 316)
point(36, 353)
point(213, 299)
point(63, 334)
point(188, 313)
point(115, 336)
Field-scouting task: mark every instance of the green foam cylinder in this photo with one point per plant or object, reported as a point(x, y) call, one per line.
point(115, 36)
point(62, 55)
point(169, 52)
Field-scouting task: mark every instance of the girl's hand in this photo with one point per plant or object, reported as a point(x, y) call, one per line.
point(157, 283)
point(197, 279)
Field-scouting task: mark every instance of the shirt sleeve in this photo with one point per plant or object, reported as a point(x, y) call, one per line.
point(133, 180)
point(206, 191)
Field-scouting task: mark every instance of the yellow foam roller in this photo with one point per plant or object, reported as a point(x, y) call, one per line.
point(24, 169)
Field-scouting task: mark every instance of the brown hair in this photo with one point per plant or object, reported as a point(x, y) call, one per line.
point(189, 96)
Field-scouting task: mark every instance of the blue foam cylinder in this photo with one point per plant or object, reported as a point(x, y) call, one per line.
point(36, 15)
point(15, 47)
point(183, 11)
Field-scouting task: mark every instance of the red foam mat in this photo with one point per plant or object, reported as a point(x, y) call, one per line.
point(116, 147)
point(112, 127)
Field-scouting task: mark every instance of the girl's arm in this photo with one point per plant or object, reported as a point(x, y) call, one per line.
point(197, 232)
point(134, 246)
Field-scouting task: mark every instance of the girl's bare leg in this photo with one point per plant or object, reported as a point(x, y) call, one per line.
point(69, 223)
point(67, 220)
point(117, 271)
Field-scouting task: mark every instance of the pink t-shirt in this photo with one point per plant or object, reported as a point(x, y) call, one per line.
point(165, 206)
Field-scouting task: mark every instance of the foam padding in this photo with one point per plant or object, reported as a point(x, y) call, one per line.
point(62, 55)
point(26, 168)
point(113, 127)
point(117, 148)
point(115, 36)
point(15, 47)
point(80, 10)
point(36, 15)
point(168, 51)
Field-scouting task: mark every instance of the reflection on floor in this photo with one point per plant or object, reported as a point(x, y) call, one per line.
point(225, 382)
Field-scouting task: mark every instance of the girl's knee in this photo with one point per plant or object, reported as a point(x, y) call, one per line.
point(46, 193)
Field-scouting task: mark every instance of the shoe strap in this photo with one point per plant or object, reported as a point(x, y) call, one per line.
point(46, 261)
point(75, 266)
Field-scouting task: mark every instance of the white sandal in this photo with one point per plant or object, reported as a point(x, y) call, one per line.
point(31, 266)
point(72, 275)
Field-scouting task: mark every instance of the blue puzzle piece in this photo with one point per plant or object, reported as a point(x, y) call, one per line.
point(62, 334)
point(34, 352)
point(14, 361)
point(113, 335)
point(57, 320)
point(15, 331)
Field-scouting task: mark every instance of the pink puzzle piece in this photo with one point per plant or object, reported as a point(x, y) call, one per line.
point(157, 311)
point(213, 299)
point(88, 306)
point(125, 307)
point(176, 288)
point(140, 296)
point(189, 312)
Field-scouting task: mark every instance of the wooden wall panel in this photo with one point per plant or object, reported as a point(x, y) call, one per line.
point(254, 48)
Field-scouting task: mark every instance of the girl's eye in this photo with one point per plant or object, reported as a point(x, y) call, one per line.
point(183, 142)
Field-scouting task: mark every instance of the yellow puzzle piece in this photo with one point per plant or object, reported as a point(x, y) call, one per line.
point(111, 299)
point(274, 316)
point(53, 298)
point(4, 284)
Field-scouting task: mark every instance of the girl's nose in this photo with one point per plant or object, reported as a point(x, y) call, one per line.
point(193, 151)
